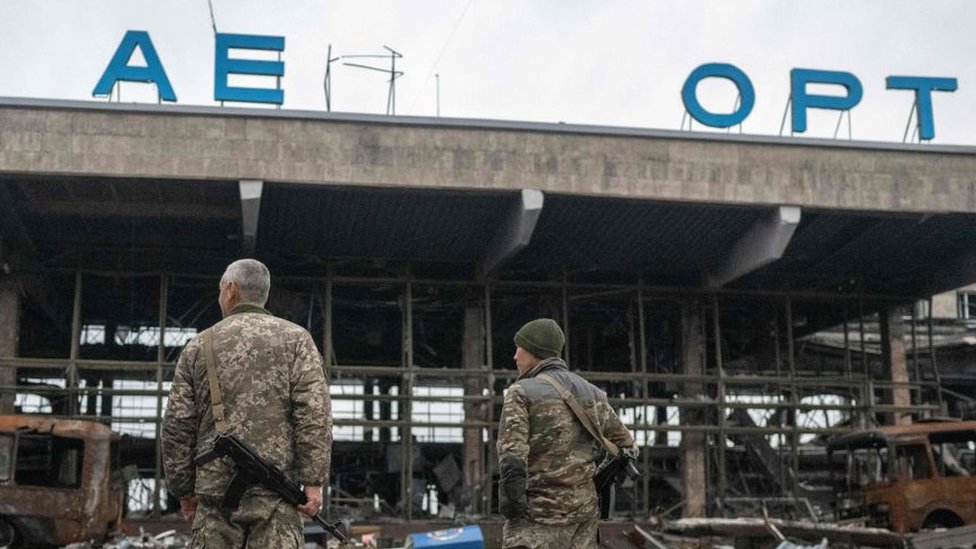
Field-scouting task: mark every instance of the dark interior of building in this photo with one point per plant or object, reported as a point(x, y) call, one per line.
point(114, 276)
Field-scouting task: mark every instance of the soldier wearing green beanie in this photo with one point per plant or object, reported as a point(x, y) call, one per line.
point(542, 337)
point(545, 451)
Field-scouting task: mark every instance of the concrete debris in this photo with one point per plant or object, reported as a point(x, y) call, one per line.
point(760, 529)
point(786, 544)
point(962, 536)
point(649, 539)
point(164, 540)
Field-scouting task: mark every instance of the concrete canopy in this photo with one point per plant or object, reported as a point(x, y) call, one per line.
point(95, 184)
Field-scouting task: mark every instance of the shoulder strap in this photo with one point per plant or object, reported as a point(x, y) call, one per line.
point(580, 413)
point(215, 398)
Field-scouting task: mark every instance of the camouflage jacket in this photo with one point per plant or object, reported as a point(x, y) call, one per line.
point(275, 399)
point(545, 455)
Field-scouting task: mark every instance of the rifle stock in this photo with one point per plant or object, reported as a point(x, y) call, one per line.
point(251, 470)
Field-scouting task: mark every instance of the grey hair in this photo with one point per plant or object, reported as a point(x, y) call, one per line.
point(253, 279)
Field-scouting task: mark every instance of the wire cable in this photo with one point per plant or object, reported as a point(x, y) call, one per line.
point(213, 21)
point(457, 24)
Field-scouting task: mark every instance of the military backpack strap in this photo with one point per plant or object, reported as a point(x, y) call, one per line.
point(580, 414)
point(215, 398)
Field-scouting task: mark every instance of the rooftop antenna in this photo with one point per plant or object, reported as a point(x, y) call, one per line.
point(438, 78)
point(328, 78)
point(394, 74)
point(213, 20)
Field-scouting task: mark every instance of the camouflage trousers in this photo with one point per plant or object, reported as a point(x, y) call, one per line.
point(525, 533)
point(260, 522)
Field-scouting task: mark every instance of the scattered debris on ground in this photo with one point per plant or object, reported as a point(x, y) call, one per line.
point(164, 540)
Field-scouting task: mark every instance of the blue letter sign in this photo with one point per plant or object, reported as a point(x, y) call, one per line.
point(923, 97)
point(799, 78)
point(720, 70)
point(224, 65)
point(119, 69)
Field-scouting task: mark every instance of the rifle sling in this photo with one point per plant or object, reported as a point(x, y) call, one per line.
point(581, 414)
point(215, 398)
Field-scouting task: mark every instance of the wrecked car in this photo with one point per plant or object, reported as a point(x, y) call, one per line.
point(56, 481)
point(907, 477)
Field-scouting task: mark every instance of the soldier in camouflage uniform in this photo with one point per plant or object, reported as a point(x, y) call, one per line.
point(275, 399)
point(545, 455)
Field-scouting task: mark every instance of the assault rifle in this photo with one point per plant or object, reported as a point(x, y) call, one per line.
point(608, 474)
point(251, 470)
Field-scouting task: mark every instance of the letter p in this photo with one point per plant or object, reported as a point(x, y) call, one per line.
point(799, 78)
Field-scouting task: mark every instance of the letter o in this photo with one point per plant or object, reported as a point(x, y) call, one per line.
point(719, 70)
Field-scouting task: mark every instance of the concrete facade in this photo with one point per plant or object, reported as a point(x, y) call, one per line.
point(99, 139)
point(946, 305)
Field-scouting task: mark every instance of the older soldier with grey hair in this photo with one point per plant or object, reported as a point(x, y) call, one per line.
point(275, 399)
point(545, 454)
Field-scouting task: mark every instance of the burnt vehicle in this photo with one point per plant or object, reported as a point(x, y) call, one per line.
point(907, 478)
point(57, 481)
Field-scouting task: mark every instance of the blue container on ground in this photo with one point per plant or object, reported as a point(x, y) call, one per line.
point(467, 537)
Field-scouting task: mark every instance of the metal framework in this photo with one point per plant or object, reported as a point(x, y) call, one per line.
point(779, 411)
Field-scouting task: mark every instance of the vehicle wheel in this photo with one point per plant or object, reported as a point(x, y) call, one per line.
point(8, 534)
point(942, 519)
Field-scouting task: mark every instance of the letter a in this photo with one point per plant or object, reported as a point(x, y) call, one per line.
point(119, 69)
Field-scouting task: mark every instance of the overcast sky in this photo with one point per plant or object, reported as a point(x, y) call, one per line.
point(619, 63)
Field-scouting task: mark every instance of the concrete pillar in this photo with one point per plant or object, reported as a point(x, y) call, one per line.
point(896, 366)
point(693, 470)
point(250, 208)
point(472, 358)
point(368, 408)
point(385, 408)
point(9, 334)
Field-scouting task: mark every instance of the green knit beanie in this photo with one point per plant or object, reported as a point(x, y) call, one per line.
point(542, 337)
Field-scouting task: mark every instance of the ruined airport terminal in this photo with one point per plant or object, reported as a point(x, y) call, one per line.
point(743, 300)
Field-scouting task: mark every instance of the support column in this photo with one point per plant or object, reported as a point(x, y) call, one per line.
point(896, 366)
point(327, 351)
point(409, 496)
point(514, 234)
point(9, 334)
point(763, 243)
point(487, 491)
point(472, 360)
point(71, 374)
point(386, 408)
point(250, 190)
point(693, 469)
point(158, 500)
point(368, 388)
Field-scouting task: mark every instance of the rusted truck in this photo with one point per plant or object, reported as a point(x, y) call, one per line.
point(57, 481)
point(909, 477)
